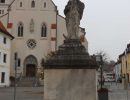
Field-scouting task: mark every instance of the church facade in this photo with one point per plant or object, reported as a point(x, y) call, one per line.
point(38, 30)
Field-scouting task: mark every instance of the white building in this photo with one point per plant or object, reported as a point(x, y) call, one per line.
point(38, 30)
point(5, 52)
point(117, 71)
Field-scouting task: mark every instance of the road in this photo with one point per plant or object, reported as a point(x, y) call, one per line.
point(36, 93)
point(23, 93)
point(117, 92)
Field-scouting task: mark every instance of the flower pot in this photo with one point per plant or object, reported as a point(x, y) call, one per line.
point(103, 94)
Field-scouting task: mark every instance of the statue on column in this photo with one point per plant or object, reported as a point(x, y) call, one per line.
point(73, 12)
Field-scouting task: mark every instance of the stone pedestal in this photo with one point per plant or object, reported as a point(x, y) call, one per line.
point(70, 73)
point(70, 84)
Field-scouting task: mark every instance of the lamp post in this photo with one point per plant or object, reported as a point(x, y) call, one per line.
point(102, 92)
point(100, 62)
point(16, 62)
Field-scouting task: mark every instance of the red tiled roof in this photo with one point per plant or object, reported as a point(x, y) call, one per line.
point(3, 30)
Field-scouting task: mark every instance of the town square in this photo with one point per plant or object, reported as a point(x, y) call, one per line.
point(69, 50)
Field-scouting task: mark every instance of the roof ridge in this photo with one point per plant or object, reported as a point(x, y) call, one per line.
point(3, 30)
point(2, 27)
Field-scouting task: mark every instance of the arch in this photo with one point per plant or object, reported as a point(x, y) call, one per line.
point(20, 29)
point(32, 4)
point(30, 66)
point(30, 60)
point(43, 30)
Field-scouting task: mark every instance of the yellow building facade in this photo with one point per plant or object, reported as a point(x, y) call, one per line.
point(125, 63)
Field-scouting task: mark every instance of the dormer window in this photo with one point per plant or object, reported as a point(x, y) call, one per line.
point(2, 1)
point(33, 4)
point(21, 4)
point(44, 4)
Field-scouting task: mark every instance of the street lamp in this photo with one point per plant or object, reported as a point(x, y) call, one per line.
point(100, 62)
point(16, 62)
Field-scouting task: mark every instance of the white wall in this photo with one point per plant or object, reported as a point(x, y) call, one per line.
point(5, 67)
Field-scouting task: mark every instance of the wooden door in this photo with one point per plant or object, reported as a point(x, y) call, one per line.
point(30, 70)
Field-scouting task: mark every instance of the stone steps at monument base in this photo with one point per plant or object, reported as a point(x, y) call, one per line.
point(26, 82)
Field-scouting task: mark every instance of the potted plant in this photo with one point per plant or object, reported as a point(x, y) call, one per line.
point(103, 94)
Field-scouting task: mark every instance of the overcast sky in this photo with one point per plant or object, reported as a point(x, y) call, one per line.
point(107, 24)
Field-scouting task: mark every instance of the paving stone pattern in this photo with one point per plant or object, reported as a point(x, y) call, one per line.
point(23, 93)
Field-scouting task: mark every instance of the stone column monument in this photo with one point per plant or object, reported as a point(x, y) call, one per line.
point(70, 73)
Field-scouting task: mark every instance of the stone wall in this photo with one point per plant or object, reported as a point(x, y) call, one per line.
point(70, 84)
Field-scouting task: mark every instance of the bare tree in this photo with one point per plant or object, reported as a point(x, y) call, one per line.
point(104, 55)
point(107, 63)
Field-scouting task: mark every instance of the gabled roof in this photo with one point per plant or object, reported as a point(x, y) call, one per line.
point(4, 31)
point(121, 54)
point(53, 3)
point(128, 45)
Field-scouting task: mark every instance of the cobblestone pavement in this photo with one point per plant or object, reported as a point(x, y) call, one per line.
point(117, 92)
point(36, 93)
point(119, 95)
point(23, 93)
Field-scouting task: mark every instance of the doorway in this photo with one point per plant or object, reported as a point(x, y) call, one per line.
point(30, 70)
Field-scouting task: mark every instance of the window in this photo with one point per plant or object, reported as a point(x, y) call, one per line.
point(4, 40)
point(20, 30)
point(32, 24)
point(43, 30)
point(33, 4)
point(31, 43)
point(4, 58)
point(2, 11)
point(21, 4)
point(19, 62)
point(44, 4)
point(2, 77)
point(0, 57)
point(2, 1)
